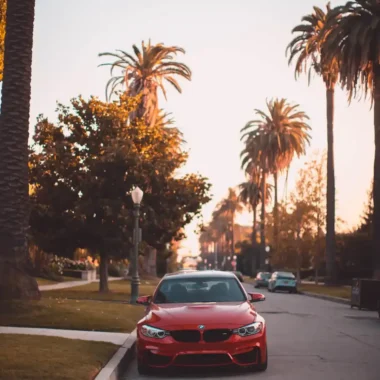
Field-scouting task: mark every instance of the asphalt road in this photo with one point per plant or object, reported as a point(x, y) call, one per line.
point(308, 339)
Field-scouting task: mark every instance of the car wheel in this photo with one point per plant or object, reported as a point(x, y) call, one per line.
point(263, 366)
point(143, 369)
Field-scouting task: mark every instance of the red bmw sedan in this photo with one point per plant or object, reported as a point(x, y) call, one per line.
point(197, 319)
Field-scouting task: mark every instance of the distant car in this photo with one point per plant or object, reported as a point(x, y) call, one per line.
point(201, 319)
point(239, 275)
point(283, 281)
point(262, 279)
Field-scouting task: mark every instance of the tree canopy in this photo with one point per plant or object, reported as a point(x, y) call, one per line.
point(83, 168)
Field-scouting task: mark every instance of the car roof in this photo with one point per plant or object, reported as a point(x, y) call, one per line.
point(200, 274)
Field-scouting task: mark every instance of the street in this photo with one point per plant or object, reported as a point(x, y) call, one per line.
point(308, 339)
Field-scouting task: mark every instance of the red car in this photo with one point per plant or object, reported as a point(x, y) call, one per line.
point(197, 319)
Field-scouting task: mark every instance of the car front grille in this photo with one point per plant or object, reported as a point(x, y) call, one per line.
point(202, 359)
point(217, 335)
point(186, 336)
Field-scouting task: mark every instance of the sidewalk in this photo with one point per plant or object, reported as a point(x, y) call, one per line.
point(96, 336)
point(71, 284)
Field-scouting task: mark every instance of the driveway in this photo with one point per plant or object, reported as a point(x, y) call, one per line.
point(308, 339)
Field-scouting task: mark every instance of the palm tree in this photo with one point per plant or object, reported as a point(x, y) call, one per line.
point(229, 207)
point(305, 49)
point(250, 195)
point(14, 126)
point(351, 36)
point(143, 74)
point(271, 142)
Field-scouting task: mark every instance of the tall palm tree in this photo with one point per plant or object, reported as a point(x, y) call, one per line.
point(305, 50)
point(14, 126)
point(144, 74)
point(272, 141)
point(229, 207)
point(250, 195)
point(351, 36)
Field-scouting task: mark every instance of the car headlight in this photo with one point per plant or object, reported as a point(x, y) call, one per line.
point(154, 332)
point(251, 329)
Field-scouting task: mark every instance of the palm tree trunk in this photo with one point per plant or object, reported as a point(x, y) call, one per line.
point(253, 256)
point(376, 177)
point(330, 218)
point(275, 211)
point(15, 283)
point(254, 225)
point(232, 238)
point(262, 222)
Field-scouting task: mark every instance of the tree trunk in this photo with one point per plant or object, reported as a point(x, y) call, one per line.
point(262, 222)
point(103, 274)
point(330, 218)
point(275, 212)
point(253, 256)
point(232, 238)
point(298, 257)
point(15, 283)
point(376, 177)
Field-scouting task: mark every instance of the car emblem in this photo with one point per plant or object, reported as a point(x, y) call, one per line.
point(201, 327)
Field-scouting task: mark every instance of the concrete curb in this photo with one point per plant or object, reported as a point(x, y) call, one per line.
point(115, 368)
point(327, 298)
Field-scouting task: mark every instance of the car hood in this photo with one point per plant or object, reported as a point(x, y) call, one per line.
point(188, 316)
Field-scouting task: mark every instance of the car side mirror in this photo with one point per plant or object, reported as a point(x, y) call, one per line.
point(257, 297)
point(144, 300)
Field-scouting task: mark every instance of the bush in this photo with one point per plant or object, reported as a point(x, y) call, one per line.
point(116, 269)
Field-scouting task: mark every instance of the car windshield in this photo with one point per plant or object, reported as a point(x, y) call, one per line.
point(265, 276)
point(194, 290)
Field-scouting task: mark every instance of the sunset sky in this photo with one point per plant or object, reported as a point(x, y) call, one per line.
point(236, 50)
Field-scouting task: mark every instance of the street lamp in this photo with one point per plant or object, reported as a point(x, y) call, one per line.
point(137, 195)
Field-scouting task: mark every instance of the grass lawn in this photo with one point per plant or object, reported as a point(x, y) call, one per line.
point(31, 357)
point(79, 308)
point(120, 290)
point(43, 281)
point(334, 291)
point(71, 314)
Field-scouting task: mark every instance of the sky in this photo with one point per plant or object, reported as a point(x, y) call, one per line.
point(236, 51)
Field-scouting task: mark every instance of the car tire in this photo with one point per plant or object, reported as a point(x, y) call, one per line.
point(263, 366)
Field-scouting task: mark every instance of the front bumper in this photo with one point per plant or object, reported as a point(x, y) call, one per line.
point(164, 353)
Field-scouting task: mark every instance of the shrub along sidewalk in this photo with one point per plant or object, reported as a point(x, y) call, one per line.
point(31, 357)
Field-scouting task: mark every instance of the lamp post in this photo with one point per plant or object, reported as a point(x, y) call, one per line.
point(137, 195)
point(267, 250)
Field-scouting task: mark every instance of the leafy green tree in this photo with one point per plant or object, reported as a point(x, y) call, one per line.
point(306, 50)
point(15, 283)
point(145, 73)
point(84, 167)
point(351, 37)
